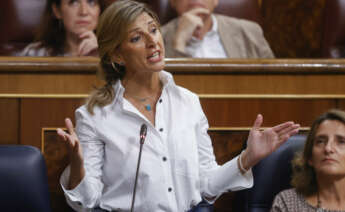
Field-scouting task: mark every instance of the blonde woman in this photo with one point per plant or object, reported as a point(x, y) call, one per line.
point(178, 168)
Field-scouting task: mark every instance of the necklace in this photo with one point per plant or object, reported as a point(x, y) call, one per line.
point(318, 206)
point(142, 100)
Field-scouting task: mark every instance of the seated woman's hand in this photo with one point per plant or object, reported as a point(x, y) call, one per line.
point(88, 46)
point(262, 143)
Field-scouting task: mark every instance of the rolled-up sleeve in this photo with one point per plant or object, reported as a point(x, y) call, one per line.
point(87, 193)
point(216, 179)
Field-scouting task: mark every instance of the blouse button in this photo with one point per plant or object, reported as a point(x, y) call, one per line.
point(160, 100)
point(164, 158)
point(169, 189)
point(161, 129)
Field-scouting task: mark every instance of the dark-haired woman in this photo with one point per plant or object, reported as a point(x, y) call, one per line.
point(67, 29)
point(318, 173)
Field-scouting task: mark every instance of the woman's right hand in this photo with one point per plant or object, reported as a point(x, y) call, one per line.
point(74, 152)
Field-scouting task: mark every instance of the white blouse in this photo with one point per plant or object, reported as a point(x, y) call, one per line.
point(178, 166)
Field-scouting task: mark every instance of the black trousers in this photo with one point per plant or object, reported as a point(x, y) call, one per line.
point(203, 206)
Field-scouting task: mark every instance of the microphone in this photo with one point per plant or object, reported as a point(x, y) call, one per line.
point(143, 132)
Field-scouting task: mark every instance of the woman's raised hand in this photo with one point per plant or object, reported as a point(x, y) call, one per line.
point(74, 152)
point(88, 46)
point(262, 143)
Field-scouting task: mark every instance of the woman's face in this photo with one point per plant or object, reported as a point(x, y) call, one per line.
point(143, 48)
point(328, 153)
point(78, 16)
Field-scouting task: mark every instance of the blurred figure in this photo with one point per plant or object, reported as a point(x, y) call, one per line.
point(198, 32)
point(318, 173)
point(67, 29)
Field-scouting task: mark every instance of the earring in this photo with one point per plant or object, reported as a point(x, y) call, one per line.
point(114, 66)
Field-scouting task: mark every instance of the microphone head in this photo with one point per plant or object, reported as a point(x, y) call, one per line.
point(143, 130)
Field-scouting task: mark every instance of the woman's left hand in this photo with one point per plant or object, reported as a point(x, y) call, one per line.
point(262, 143)
point(88, 46)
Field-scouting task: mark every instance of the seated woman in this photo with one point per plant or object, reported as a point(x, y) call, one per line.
point(318, 173)
point(67, 29)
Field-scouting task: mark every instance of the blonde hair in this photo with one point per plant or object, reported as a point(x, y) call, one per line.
point(304, 177)
point(111, 32)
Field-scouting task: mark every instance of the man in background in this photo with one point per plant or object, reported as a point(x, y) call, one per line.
point(200, 33)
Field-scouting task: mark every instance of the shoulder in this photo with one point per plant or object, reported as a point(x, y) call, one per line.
point(287, 194)
point(287, 200)
point(244, 25)
point(35, 49)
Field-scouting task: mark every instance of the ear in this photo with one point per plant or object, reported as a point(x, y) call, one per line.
point(117, 57)
point(216, 2)
point(56, 11)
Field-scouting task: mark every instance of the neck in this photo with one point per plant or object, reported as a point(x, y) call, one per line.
point(142, 85)
point(331, 192)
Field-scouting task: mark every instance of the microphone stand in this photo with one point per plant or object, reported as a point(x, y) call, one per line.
point(143, 131)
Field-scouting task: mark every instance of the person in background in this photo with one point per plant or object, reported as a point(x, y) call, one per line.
point(178, 168)
point(200, 33)
point(67, 29)
point(319, 173)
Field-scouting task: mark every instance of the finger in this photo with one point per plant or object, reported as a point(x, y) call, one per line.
point(69, 126)
point(61, 134)
point(199, 11)
point(86, 34)
point(82, 46)
point(287, 135)
point(287, 130)
point(282, 126)
point(258, 121)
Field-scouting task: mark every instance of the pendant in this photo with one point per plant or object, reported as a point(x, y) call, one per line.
point(148, 107)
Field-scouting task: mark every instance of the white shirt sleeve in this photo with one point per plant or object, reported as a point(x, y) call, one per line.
point(216, 179)
point(87, 194)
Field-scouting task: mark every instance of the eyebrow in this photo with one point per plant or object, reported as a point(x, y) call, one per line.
point(136, 29)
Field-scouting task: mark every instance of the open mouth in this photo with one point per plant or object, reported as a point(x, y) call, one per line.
point(155, 57)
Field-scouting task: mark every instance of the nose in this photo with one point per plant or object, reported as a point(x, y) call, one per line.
point(83, 8)
point(151, 41)
point(329, 147)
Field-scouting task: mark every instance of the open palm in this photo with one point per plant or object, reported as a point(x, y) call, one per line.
point(263, 142)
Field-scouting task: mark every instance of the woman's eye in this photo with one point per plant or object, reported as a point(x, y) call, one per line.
point(93, 2)
point(135, 39)
point(73, 2)
point(341, 141)
point(319, 141)
point(154, 30)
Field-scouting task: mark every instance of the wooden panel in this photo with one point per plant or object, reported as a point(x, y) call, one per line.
point(9, 121)
point(262, 84)
point(38, 113)
point(48, 83)
point(234, 112)
point(204, 76)
point(341, 104)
